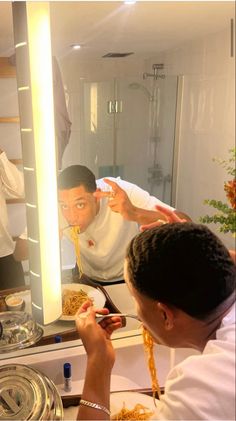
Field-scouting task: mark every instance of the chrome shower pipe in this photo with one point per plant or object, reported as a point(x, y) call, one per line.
point(155, 75)
point(135, 85)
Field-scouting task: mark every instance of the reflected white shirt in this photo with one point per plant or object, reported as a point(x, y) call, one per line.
point(11, 186)
point(103, 245)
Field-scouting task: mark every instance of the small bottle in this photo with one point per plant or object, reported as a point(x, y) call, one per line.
point(67, 377)
point(58, 339)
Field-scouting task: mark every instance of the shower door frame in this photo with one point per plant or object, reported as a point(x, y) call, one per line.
point(176, 149)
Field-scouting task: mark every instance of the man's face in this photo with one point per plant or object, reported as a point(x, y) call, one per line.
point(150, 314)
point(78, 206)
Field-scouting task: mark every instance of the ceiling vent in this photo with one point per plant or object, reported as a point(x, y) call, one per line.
point(115, 55)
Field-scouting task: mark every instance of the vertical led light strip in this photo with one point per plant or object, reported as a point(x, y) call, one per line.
point(40, 57)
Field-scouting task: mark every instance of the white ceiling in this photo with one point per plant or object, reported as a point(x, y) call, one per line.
point(144, 28)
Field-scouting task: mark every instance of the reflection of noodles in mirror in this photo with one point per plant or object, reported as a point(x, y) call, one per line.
point(139, 412)
point(72, 301)
point(148, 346)
point(74, 234)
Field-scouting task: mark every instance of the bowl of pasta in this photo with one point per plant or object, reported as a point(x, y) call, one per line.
point(132, 406)
point(74, 295)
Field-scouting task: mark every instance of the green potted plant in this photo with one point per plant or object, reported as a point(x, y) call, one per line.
point(226, 215)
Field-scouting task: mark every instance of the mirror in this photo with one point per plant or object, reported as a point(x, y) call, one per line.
point(160, 133)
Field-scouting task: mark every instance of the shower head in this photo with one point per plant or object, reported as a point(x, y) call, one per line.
point(135, 85)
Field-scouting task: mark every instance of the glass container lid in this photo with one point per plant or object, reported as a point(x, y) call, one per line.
point(27, 394)
point(18, 330)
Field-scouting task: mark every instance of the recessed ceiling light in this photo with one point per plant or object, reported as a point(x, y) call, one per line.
point(76, 46)
point(130, 2)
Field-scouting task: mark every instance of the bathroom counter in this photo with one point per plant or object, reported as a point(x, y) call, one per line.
point(118, 299)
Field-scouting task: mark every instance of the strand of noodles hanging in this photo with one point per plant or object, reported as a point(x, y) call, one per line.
point(74, 234)
point(148, 346)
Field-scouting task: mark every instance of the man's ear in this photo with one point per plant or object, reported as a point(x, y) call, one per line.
point(98, 190)
point(167, 314)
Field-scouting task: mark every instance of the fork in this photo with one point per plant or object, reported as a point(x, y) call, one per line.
point(67, 226)
point(101, 317)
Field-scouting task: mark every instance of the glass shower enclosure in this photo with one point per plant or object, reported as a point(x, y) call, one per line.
point(128, 130)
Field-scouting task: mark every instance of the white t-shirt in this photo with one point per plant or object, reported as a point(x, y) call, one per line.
point(11, 186)
point(103, 245)
point(202, 387)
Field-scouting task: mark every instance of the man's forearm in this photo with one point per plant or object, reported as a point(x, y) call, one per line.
point(21, 251)
point(146, 216)
point(96, 390)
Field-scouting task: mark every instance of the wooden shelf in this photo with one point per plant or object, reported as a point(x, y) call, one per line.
point(6, 69)
point(9, 120)
point(14, 201)
point(17, 161)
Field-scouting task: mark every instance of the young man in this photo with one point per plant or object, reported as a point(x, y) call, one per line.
point(183, 281)
point(11, 186)
point(108, 213)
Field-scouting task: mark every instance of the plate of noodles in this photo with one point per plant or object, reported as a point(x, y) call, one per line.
point(74, 295)
point(132, 406)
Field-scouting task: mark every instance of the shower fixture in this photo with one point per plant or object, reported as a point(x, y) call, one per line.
point(155, 75)
point(135, 85)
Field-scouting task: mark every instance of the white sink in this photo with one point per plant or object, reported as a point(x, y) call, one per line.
point(130, 370)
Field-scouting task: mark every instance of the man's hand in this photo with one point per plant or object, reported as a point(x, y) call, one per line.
point(97, 337)
point(168, 216)
point(118, 200)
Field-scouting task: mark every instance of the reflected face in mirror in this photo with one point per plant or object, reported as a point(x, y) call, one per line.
point(78, 206)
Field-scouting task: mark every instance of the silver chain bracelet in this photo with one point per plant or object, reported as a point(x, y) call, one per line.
point(95, 406)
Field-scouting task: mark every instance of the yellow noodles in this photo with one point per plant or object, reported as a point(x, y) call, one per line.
point(139, 412)
point(148, 346)
point(74, 234)
point(72, 301)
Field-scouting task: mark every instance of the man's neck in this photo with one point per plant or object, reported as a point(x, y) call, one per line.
point(199, 332)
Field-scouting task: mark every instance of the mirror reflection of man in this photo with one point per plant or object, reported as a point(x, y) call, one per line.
point(108, 213)
point(11, 186)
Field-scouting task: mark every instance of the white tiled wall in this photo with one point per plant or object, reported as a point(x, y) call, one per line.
point(208, 120)
point(8, 98)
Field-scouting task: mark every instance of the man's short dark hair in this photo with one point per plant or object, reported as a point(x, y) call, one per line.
point(75, 176)
point(182, 264)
